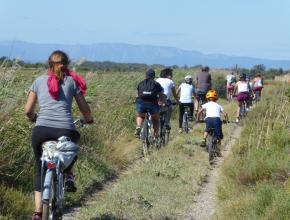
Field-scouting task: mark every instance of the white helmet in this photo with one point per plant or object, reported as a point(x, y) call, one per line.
point(188, 79)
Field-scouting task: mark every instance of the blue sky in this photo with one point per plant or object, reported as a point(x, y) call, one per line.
point(256, 28)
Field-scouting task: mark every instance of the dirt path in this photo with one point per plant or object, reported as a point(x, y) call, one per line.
point(205, 202)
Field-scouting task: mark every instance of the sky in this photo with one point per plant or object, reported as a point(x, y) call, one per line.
point(255, 28)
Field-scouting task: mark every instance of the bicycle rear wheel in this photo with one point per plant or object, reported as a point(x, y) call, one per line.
point(145, 141)
point(49, 206)
point(185, 122)
point(210, 148)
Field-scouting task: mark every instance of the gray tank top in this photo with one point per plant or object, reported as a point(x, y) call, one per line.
point(55, 113)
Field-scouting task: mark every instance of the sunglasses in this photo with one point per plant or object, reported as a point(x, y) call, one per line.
point(59, 62)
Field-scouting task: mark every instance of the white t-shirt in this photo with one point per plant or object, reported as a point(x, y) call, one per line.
point(212, 109)
point(167, 85)
point(229, 79)
point(243, 87)
point(186, 92)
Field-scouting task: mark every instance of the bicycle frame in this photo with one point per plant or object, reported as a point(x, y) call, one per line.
point(146, 134)
point(163, 132)
point(243, 109)
point(185, 119)
point(211, 144)
point(54, 161)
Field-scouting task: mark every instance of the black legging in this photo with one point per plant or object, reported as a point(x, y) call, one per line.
point(41, 134)
point(182, 110)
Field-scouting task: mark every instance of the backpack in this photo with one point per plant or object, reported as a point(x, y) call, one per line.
point(233, 80)
point(148, 89)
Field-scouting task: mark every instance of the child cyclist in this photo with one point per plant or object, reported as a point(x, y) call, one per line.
point(213, 113)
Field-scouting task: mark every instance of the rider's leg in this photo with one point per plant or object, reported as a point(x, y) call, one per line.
point(168, 116)
point(181, 112)
point(155, 120)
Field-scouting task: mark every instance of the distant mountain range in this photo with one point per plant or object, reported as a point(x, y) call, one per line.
point(127, 53)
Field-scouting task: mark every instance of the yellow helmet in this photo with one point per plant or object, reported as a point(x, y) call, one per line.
point(212, 94)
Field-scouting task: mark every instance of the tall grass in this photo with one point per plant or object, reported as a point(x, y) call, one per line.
point(255, 181)
point(107, 146)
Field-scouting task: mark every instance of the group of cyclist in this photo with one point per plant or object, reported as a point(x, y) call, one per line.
point(152, 94)
point(245, 89)
point(56, 90)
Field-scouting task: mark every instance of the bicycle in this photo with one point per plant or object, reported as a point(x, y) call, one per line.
point(243, 110)
point(146, 134)
point(212, 143)
point(185, 119)
point(164, 132)
point(201, 99)
point(57, 156)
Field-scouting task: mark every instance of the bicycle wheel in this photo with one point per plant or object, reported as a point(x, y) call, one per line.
point(258, 97)
point(210, 147)
point(167, 134)
point(185, 122)
point(49, 205)
point(145, 141)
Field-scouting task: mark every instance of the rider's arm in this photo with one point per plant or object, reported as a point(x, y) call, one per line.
point(174, 94)
point(84, 107)
point(30, 106)
point(199, 113)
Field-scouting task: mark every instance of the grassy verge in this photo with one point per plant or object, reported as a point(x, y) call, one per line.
point(161, 188)
point(255, 181)
point(107, 146)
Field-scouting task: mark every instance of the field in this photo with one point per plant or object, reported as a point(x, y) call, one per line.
point(108, 148)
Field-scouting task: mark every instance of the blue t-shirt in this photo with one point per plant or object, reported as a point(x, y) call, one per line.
point(55, 113)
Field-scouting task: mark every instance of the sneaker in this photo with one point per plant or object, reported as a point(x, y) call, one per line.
point(70, 183)
point(37, 216)
point(203, 143)
point(237, 120)
point(137, 132)
point(180, 131)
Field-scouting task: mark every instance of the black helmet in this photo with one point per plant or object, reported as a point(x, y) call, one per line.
point(166, 72)
point(150, 73)
point(243, 76)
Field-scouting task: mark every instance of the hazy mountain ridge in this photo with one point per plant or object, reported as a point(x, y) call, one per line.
point(128, 53)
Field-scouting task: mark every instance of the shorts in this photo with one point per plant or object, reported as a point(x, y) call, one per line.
point(215, 123)
point(258, 88)
point(142, 107)
point(201, 95)
point(243, 96)
point(230, 88)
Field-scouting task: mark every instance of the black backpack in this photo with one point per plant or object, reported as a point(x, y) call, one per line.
point(149, 89)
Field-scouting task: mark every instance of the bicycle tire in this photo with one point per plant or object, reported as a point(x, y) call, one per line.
point(210, 147)
point(48, 207)
point(167, 135)
point(185, 122)
point(145, 142)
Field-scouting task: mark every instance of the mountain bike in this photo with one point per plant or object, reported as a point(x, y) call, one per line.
point(164, 132)
point(230, 94)
point(57, 156)
point(243, 110)
point(212, 143)
point(201, 99)
point(146, 134)
point(257, 96)
point(185, 119)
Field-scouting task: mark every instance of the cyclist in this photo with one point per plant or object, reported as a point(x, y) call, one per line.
point(258, 84)
point(187, 93)
point(169, 90)
point(213, 117)
point(54, 93)
point(149, 93)
point(231, 81)
point(203, 85)
point(244, 92)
